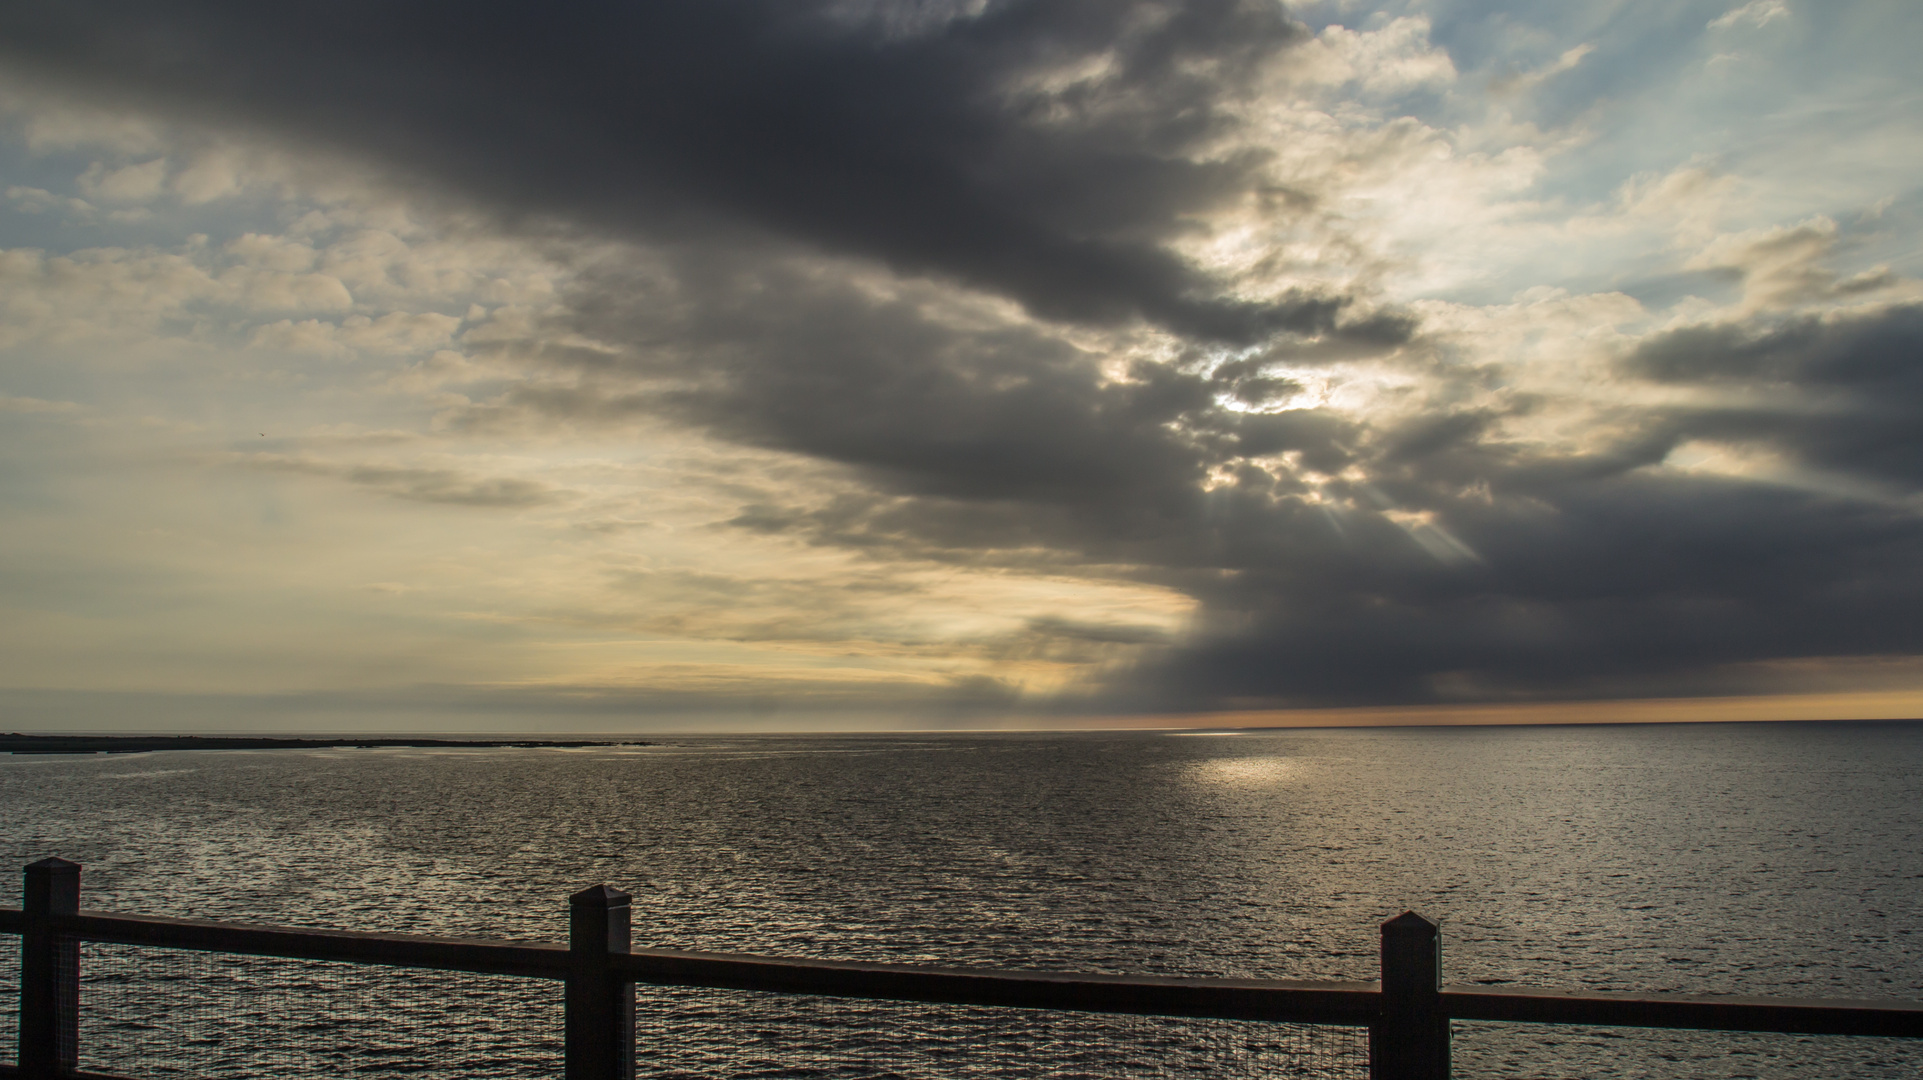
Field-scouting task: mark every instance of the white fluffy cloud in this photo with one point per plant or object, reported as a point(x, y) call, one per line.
point(1757, 13)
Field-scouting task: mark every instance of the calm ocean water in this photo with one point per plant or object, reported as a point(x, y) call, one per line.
point(1756, 859)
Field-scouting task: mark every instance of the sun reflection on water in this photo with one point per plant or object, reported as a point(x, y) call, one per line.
point(1243, 772)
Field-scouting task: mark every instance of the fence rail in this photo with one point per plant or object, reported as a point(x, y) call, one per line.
point(1220, 999)
point(1700, 1012)
point(1408, 1012)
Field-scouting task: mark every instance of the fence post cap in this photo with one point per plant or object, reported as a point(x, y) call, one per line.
point(599, 896)
point(54, 864)
point(1409, 923)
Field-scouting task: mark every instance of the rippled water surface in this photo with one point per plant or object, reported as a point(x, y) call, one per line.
point(1760, 859)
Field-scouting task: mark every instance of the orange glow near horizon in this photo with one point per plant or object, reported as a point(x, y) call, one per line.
point(1878, 705)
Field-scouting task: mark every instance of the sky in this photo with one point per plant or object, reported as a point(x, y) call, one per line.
point(804, 364)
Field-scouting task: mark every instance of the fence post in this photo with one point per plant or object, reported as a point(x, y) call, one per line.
point(599, 1009)
point(49, 972)
point(1411, 1040)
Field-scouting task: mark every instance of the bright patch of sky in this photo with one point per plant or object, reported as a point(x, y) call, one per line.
point(1637, 129)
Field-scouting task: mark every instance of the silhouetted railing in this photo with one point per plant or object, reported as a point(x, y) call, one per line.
point(1407, 1013)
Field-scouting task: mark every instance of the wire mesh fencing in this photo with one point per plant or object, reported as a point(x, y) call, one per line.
point(9, 998)
point(1496, 1051)
point(700, 1034)
point(150, 1012)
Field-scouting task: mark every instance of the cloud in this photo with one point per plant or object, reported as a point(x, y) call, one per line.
point(38, 405)
point(1394, 58)
point(274, 290)
point(128, 184)
point(448, 486)
point(1437, 551)
point(94, 291)
point(1781, 266)
point(924, 395)
point(384, 292)
point(1849, 388)
point(743, 697)
point(1757, 13)
point(1051, 151)
point(395, 333)
point(33, 200)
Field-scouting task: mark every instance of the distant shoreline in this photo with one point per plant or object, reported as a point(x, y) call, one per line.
point(140, 744)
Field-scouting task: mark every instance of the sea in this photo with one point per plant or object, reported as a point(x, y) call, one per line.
point(1757, 859)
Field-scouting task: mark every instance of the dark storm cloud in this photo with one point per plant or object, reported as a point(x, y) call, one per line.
point(1855, 382)
point(1625, 585)
point(978, 147)
point(968, 437)
point(1598, 574)
point(1434, 559)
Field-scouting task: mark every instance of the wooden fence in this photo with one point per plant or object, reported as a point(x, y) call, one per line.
point(1407, 1013)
